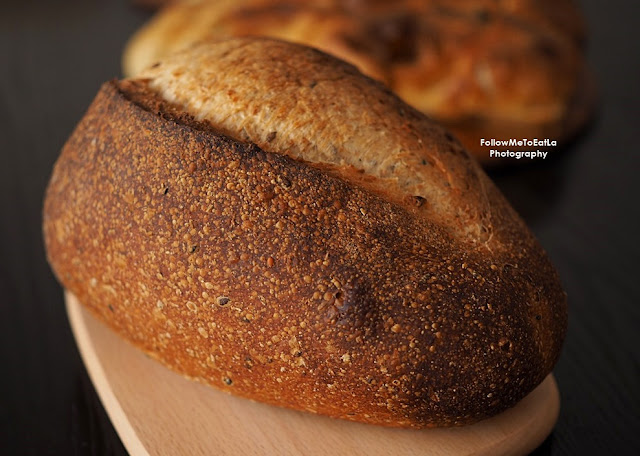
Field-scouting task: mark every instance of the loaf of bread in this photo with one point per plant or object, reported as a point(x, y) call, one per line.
point(484, 69)
point(259, 216)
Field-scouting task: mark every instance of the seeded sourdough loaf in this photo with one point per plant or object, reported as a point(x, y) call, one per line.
point(483, 68)
point(261, 217)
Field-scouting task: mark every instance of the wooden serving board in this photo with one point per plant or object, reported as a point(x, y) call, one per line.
point(157, 412)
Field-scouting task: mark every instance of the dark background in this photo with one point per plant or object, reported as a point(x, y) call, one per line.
point(583, 204)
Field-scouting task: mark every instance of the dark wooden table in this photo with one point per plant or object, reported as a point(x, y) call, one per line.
point(583, 204)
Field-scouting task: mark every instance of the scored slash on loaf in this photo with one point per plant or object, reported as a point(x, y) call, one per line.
point(261, 217)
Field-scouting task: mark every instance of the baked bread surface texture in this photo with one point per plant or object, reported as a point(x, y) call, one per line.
point(282, 253)
point(484, 69)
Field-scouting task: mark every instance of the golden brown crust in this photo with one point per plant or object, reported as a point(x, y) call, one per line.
point(294, 283)
point(484, 68)
point(319, 109)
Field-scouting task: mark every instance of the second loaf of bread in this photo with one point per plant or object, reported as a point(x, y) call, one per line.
point(482, 68)
point(261, 217)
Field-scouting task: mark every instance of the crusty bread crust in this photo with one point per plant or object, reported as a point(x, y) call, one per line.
point(300, 102)
point(295, 283)
point(483, 68)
